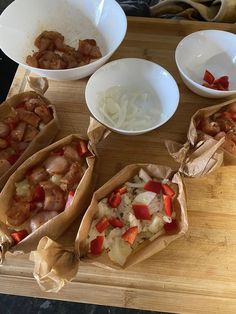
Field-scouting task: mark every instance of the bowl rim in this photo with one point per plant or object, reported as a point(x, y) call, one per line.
point(197, 85)
point(86, 66)
point(133, 132)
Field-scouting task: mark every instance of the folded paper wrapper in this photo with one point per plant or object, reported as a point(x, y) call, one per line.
point(209, 10)
point(201, 154)
point(57, 225)
point(44, 137)
point(56, 264)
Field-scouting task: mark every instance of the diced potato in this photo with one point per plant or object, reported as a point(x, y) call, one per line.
point(119, 251)
point(22, 188)
point(156, 224)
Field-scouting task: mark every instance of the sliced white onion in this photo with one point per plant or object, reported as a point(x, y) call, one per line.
point(144, 175)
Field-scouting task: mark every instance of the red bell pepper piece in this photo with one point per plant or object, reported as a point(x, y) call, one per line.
point(141, 211)
point(38, 194)
point(116, 223)
point(19, 235)
point(171, 227)
point(82, 148)
point(153, 186)
point(208, 77)
point(114, 200)
point(121, 190)
point(102, 225)
point(13, 158)
point(130, 235)
point(223, 81)
point(96, 245)
point(167, 190)
point(167, 204)
point(70, 198)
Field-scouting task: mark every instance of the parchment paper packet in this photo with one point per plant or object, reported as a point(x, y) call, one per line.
point(44, 137)
point(201, 153)
point(55, 264)
point(58, 224)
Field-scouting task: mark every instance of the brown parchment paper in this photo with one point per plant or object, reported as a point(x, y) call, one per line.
point(201, 153)
point(55, 264)
point(44, 137)
point(57, 225)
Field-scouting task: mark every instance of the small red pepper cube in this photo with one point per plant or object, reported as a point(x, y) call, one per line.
point(223, 81)
point(38, 194)
point(19, 235)
point(82, 148)
point(102, 225)
point(121, 190)
point(96, 245)
point(13, 158)
point(167, 190)
point(130, 235)
point(227, 114)
point(114, 200)
point(171, 227)
point(116, 223)
point(153, 186)
point(141, 211)
point(208, 77)
point(70, 198)
point(167, 204)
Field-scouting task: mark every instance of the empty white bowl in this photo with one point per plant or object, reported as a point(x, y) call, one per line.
point(210, 50)
point(139, 75)
point(23, 20)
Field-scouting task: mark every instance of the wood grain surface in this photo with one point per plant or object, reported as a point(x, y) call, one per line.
point(195, 274)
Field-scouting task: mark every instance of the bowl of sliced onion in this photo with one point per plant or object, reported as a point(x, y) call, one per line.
point(132, 96)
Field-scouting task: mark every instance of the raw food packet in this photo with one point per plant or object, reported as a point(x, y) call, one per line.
point(203, 153)
point(56, 264)
point(58, 224)
point(45, 135)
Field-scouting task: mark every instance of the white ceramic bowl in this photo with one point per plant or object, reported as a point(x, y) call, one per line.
point(23, 20)
point(212, 50)
point(134, 74)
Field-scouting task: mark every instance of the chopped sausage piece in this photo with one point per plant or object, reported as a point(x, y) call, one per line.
point(72, 177)
point(18, 133)
point(71, 153)
point(56, 164)
point(28, 117)
point(43, 112)
point(3, 143)
point(38, 174)
point(4, 129)
point(18, 213)
point(54, 197)
point(208, 126)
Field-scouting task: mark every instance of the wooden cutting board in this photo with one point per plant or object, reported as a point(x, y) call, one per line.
point(195, 274)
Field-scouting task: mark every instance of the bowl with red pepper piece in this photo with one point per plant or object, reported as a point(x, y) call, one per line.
point(28, 123)
point(206, 63)
point(218, 122)
point(38, 193)
point(134, 220)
